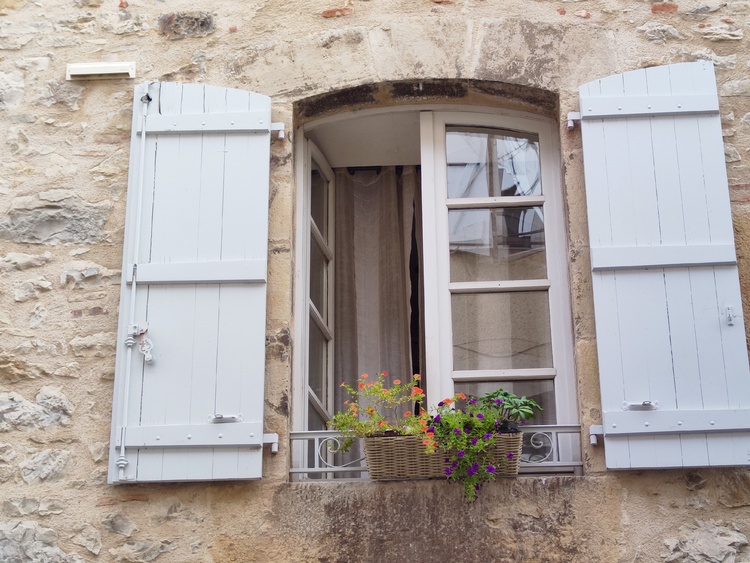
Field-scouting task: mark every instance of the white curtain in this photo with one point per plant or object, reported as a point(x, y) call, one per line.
point(374, 222)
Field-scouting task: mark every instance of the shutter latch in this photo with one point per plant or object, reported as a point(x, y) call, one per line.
point(224, 418)
point(144, 342)
point(642, 406)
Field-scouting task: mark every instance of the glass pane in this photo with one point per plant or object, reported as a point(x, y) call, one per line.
point(486, 162)
point(501, 330)
point(542, 391)
point(319, 200)
point(318, 279)
point(318, 368)
point(497, 244)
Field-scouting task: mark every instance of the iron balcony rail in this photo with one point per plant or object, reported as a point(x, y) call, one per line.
point(319, 455)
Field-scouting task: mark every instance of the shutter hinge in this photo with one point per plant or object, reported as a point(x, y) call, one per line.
point(595, 430)
point(273, 441)
point(278, 127)
point(573, 116)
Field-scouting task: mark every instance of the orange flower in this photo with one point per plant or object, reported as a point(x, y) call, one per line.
point(385, 374)
point(429, 434)
point(448, 401)
point(364, 376)
point(407, 414)
point(362, 385)
point(426, 442)
point(342, 384)
point(381, 423)
point(397, 382)
point(416, 391)
point(461, 396)
point(417, 377)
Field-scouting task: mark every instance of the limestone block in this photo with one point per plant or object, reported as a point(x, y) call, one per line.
point(100, 345)
point(140, 551)
point(707, 541)
point(735, 8)
point(26, 542)
point(89, 3)
point(721, 63)
point(14, 36)
point(52, 408)
point(735, 88)
point(60, 92)
point(14, 369)
point(12, 4)
point(42, 218)
point(80, 23)
point(89, 537)
point(20, 506)
point(7, 457)
point(49, 506)
point(119, 523)
point(180, 25)
point(722, 32)
point(20, 261)
point(45, 466)
point(123, 22)
point(731, 154)
point(660, 32)
point(30, 289)
point(12, 88)
point(86, 275)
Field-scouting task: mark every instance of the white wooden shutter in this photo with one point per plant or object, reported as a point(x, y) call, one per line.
point(194, 275)
point(673, 359)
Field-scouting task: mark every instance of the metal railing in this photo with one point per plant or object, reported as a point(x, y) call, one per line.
point(320, 454)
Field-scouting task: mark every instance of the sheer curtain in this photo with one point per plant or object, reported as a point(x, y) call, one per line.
point(374, 221)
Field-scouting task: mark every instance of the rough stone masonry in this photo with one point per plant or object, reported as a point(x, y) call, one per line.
point(64, 149)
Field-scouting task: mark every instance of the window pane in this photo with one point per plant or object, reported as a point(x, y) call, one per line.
point(497, 244)
point(318, 279)
point(501, 331)
point(318, 362)
point(542, 391)
point(319, 200)
point(491, 163)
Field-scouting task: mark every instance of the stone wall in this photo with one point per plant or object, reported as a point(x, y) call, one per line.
point(63, 174)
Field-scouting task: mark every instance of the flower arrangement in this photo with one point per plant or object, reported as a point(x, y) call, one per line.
point(468, 436)
point(380, 406)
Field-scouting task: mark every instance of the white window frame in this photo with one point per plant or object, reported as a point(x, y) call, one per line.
point(437, 317)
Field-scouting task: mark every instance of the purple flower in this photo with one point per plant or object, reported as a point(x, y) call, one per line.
point(448, 471)
point(431, 429)
point(447, 459)
point(510, 456)
point(490, 469)
point(497, 423)
point(473, 469)
point(480, 415)
point(498, 401)
point(474, 441)
point(456, 430)
point(437, 418)
point(467, 430)
point(472, 401)
point(454, 464)
point(460, 453)
point(441, 403)
point(487, 436)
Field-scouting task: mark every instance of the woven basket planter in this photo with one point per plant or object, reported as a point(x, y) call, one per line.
point(403, 457)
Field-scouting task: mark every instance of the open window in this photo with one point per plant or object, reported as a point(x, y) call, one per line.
point(443, 252)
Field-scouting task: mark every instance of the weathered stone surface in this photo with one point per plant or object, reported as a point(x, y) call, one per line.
point(119, 523)
point(86, 275)
point(140, 551)
point(186, 24)
point(54, 216)
point(709, 542)
point(659, 32)
point(100, 345)
point(723, 32)
point(20, 506)
point(731, 154)
point(89, 537)
point(736, 8)
point(89, 3)
point(123, 22)
point(30, 289)
point(45, 466)
point(20, 261)
point(48, 506)
point(28, 542)
point(735, 88)
point(60, 92)
point(52, 407)
point(705, 54)
point(14, 369)
point(99, 451)
point(12, 88)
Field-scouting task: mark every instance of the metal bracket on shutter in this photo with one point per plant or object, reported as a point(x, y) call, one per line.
point(642, 406)
point(225, 418)
point(280, 128)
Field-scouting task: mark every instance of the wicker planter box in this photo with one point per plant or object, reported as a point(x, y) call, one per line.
point(403, 457)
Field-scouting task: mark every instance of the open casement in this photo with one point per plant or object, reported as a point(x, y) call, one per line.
point(670, 334)
point(188, 401)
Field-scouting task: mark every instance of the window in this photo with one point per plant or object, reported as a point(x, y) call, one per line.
point(484, 287)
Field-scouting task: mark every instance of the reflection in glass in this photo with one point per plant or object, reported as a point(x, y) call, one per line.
point(318, 278)
point(541, 390)
point(497, 244)
point(501, 331)
point(318, 368)
point(319, 200)
point(485, 162)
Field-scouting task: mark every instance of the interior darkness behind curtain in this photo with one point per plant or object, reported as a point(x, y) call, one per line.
point(374, 218)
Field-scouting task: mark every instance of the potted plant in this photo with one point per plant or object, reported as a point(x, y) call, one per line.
point(479, 438)
point(381, 412)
